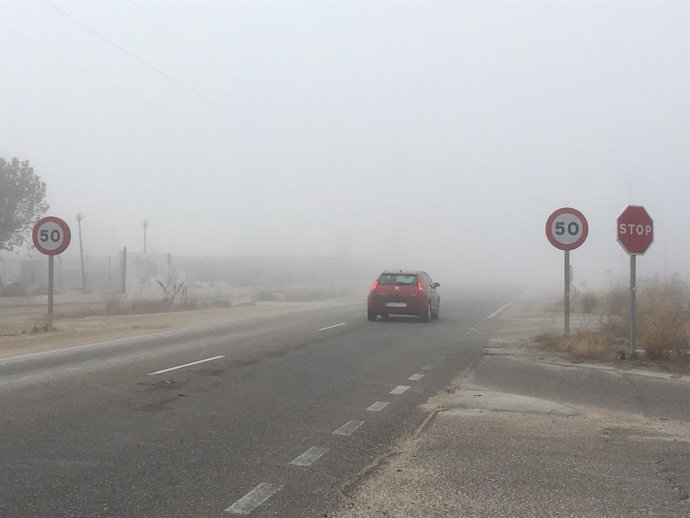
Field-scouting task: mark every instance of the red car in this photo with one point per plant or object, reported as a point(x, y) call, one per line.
point(404, 292)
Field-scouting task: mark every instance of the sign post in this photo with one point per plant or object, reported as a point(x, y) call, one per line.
point(566, 229)
point(51, 237)
point(635, 230)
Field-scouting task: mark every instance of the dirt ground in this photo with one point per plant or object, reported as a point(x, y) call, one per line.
point(80, 324)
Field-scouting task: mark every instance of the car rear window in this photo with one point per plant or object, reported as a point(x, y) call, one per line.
point(398, 279)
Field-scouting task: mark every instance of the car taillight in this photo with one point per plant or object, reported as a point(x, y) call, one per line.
point(420, 287)
point(375, 285)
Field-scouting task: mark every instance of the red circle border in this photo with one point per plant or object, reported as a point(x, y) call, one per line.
point(576, 213)
point(65, 231)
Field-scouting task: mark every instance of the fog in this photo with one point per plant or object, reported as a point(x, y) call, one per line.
point(433, 135)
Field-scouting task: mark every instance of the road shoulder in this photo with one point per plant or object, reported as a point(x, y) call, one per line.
point(511, 438)
point(75, 330)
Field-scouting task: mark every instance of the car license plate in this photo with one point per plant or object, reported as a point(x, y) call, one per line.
point(396, 304)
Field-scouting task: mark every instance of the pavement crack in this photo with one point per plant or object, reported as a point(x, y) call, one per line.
point(643, 404)
point(664, 470)
point(361, 474)
point(396, 451)
point(426, 421)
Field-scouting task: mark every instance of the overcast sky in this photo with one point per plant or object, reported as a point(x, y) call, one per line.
point(438, 135)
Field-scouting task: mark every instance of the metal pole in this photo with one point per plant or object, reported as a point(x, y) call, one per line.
point(50, 293)
point(145, 224)
point(124, 270)
point(566, 299)
point(633, 323)
point(81, 256)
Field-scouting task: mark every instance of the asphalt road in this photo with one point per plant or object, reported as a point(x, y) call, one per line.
point(270, 417)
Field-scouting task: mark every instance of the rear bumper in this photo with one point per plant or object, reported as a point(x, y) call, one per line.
point(415, 305)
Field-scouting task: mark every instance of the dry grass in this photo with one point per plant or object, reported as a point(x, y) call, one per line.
point(144, 307)
point(663, 324)
point(548, 341)
point(594, 345)
point(588, 302)
point(664, 320)
point(583, 345)
point(301, 294)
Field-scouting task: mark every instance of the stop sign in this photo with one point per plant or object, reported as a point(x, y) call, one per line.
point(635, 230)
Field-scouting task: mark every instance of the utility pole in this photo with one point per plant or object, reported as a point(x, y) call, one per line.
point(123, 271)
point(81, 255)
point(145, 224)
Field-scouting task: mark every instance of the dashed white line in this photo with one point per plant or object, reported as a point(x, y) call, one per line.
point(254, 498)
point(499, 310)
point(186, 365)
point(310, 456)
point(348, 428)
point(333, 326)
point(400, 389)
point(427, 367)
point(416, 377)
point(378, 406)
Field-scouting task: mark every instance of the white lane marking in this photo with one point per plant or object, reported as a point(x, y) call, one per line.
point(186, 365)
point(310, 456)
point(348, 428)
point(400, 389)
point(416, 377)
point(427, 367)
point(254, 498)
point(331, 327)
point(499, 310)
point(378, 406)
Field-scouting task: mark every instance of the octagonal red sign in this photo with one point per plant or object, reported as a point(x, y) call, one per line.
point(635, 230)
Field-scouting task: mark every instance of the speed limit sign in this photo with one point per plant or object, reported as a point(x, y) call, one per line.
point(51, 235)
point(566, 228)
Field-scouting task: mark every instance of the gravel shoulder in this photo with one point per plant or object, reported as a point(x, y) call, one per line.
point(76, 324)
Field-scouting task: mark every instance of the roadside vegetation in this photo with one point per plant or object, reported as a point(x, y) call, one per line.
point(663, 325)
point(30, 319)
point(302, 293)
point(118, 306)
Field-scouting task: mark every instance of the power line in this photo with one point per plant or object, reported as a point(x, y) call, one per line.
point(74, 64)
point(124, 50)
point(240, 82)
point(176, 35)
point(166, 27)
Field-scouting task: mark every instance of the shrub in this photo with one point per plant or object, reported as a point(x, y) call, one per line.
point(663, 320)
point(616, 301)
point(16, 289)
point(265, 295)
point(592, 345)
point(588, 302)
point(548, 341)
point(663, 324)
